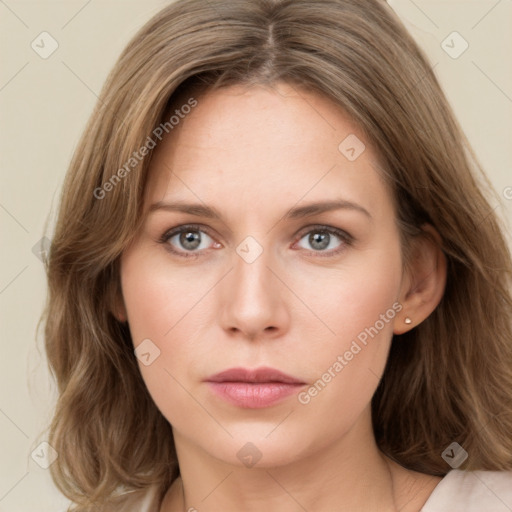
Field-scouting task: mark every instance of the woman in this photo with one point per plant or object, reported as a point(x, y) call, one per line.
point(276, 282)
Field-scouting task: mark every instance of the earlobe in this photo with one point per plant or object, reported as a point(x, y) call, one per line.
point(118, 308)
point(426, 280)
point(120, 314)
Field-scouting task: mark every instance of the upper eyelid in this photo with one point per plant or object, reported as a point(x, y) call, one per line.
point(179, 229)
point(323, 227)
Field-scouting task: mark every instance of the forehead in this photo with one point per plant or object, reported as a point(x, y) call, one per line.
point(269, 145)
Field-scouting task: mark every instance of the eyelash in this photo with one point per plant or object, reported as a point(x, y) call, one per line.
point(345, 237)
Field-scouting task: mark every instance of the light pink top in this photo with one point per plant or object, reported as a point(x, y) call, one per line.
point(472, 491)
point(458, 491)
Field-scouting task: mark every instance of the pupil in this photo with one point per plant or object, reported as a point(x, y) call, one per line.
point(319, 240)
point(189, 240)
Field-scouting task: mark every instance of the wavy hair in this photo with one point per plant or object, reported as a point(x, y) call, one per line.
point(449, 379)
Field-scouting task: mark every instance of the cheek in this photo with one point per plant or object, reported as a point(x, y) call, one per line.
point(360, 306)
point(156, 296)
point(160, 303)
point(350, 298)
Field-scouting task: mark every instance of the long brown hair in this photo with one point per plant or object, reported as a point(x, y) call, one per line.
point(449, 379)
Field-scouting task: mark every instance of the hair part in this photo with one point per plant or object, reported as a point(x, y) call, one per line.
point(449, 379)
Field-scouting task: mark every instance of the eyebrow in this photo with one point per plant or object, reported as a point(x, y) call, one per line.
point(297, 212)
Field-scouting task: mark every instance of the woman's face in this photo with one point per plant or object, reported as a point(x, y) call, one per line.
point(269, 280)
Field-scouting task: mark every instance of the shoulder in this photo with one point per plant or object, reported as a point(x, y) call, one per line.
point(143, 500)
point(472, 491)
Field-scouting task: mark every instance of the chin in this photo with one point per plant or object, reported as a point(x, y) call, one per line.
point(254, 447)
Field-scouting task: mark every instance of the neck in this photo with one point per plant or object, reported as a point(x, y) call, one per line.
point(350, 474)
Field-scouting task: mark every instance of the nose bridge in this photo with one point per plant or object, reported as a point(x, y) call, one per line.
point(252, 299)
point(251, 275)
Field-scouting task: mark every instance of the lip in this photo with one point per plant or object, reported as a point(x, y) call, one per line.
point(254, 375)
point(253, 388)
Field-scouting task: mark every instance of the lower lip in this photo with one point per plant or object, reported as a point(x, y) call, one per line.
point(254, 395)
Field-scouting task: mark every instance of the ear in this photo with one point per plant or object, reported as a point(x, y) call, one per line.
point(424, 280)
point(118, 308)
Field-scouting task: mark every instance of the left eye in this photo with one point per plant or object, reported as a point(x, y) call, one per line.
point(323, 239)
point(191, 239)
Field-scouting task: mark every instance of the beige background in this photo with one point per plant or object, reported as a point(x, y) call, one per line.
point(44, 104)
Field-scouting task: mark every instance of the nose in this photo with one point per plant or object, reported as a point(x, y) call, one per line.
point(253, 299)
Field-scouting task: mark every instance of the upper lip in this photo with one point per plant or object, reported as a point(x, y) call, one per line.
point(263, 374)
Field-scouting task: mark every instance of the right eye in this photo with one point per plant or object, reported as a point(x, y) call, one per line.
point(185, 239)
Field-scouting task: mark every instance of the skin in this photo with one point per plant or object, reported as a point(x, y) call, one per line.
point(253, 154)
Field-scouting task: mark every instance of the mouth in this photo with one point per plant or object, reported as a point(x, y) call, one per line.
point(253, 388)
